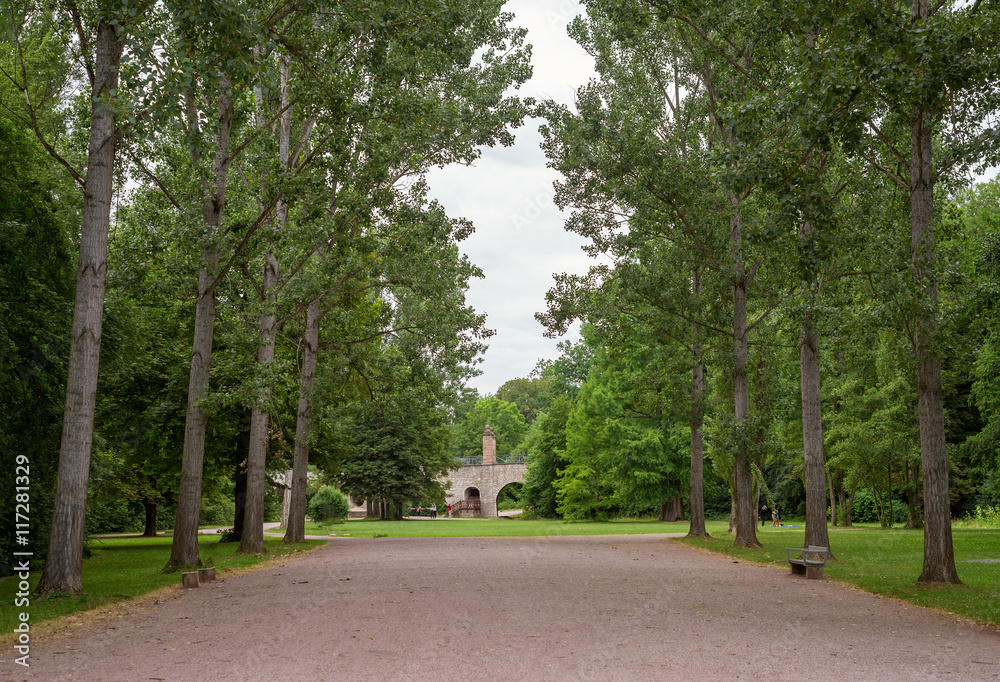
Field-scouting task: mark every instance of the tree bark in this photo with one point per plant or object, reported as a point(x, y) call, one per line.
point(697, 527)
point(184, 549)
point(149, 529)
point(833, 498)
point(849, 507)
point(939, 553)
point(300, 459)
point(286, 498)
point(914, 519)
point(239, 499)
point(672, 509)
point(252, 540)
point(64, 563)
point(817, 532)
point(746, 526)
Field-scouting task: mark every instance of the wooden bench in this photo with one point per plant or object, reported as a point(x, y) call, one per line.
point(809, 562)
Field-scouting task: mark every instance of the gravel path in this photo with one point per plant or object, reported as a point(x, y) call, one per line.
point(562, 608)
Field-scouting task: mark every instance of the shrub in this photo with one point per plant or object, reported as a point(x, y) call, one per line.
point(328, 504)
point(985, 517)
point(272, 505)
point(229, 535)
point(217, 509)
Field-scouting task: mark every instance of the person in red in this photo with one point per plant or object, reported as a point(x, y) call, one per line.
point(449, 511)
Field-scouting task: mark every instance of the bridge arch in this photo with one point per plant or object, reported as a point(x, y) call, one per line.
point(488, 478)
point(515, 487)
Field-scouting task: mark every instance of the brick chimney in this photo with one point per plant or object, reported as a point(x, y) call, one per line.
point(489, 446)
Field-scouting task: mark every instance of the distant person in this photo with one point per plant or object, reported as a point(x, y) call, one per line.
point(776, 516)
point(764, 514)
point(419, 511)
point(434, 510)
point(449, 511)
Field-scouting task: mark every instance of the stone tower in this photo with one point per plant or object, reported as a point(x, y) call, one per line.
point(489, 446)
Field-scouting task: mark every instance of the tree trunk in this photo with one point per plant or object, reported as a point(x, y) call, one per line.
point(914, 519)
point(252, 542)
point(939, 553)
point(879, 506)
point(239, 500)
point(672, 509)
point(849, 507)
point(697, 527)
point(149, 529)
point(286, 498)
point(817, 532)
point(732, 509)
point(184, 549)
point(746, 526)
point(300, 459)
point(64, 563)
point(833, 498)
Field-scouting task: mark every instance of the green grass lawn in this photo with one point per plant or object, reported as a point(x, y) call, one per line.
point(498, 527)
point(124, 568)
point(888, 562)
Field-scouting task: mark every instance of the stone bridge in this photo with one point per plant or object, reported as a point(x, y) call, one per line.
point(483, 482)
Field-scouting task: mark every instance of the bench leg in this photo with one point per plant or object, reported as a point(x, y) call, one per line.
point(814, 572)
point(798, 569)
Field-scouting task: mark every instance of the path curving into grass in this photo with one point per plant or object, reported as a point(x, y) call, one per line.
point(630, 607)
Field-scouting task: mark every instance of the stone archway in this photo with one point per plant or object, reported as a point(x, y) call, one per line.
point(488, 478)
point(516, 487)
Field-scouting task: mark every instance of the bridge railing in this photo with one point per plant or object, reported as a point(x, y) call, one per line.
point(501, 459)
point(469, 506)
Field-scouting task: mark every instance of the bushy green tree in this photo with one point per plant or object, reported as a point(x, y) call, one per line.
point(508, 425)
point(328, 504)
point(546, 444)
point(530, 396)
point(981, 210)
point(397, 453)
point(36, 294)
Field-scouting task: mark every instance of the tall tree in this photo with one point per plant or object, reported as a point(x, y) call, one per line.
point(927, 69)
point(102, 42)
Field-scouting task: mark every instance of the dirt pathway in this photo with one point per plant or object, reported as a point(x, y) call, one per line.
point(563, 608)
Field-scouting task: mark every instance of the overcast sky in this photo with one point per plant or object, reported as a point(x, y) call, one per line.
point(519, 241)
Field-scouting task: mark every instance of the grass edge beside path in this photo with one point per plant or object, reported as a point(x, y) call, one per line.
point(54, 617)
point(887, 562)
